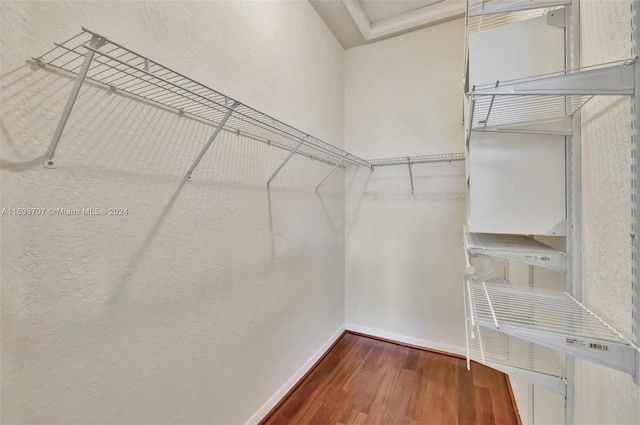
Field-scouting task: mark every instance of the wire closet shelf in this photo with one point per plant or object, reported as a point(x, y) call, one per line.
point(476, 8)
point(121, 69)
point(419, 159)
point(512, 355)
point(544, 103)
point(550, 318)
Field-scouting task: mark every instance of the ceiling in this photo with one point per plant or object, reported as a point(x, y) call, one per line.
point(356, 22)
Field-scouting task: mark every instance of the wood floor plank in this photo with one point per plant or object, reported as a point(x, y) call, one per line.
point(483, 408)
point(500, 398)
point(451, 392)
point(364, 381)
point(466, 400)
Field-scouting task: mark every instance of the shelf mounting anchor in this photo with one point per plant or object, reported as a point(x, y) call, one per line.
point(211, 139)
point(95, 43)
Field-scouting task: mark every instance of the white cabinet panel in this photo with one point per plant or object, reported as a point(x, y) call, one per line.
point(517, 184)
point(516, 50)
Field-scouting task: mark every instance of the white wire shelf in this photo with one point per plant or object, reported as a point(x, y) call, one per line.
point(544, 104)
point(420, 159)
point(92, 56)
point(413, 160)
point(516, 248)
point(490, 7)
point(550, 318)
point(512, 355)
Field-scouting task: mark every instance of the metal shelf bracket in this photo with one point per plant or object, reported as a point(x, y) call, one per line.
point(211, 140)
point(410, 172)
point(95, 43)
point(609, 80)
point(286, 160)
point(556, 384)
point(331, 172)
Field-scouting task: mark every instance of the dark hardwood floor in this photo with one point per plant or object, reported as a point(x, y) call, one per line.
point(363, 381)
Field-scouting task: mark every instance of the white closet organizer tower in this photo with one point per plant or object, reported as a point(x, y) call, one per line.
point(523, 176)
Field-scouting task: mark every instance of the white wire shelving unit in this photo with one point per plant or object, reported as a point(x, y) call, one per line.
point(512, 355)
point(515, 248)
point(414, 160)
point(91, 56)
point(544, 104)
point(547, 104)
point(553, 319)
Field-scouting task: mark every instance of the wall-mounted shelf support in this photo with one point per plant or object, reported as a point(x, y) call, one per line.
point(561, 126)
point(95, 43)
point(410, 173)
point(211, 139)
point(606, 80)
point(275, 173)
point(555, 383)
point(331, 172)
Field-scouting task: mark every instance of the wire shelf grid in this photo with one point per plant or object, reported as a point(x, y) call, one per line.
point(124, 70)
point(542, 310)
point(419, 159)
point(492, 7)
point(488, 347)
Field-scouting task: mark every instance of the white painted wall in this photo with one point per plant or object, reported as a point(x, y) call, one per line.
point(604, 396)
point(404, 255)
point(201, 303)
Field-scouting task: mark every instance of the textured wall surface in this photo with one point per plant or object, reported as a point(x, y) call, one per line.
point(404, 255)
point(604, 396)
point(201, 302)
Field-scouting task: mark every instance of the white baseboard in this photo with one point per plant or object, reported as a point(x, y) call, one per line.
point(424, 343)
point(270, 404)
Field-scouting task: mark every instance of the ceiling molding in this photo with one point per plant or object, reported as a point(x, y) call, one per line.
point(404, 21)
point(359, 17)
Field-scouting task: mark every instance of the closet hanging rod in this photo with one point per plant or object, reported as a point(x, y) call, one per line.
point(93, 57)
